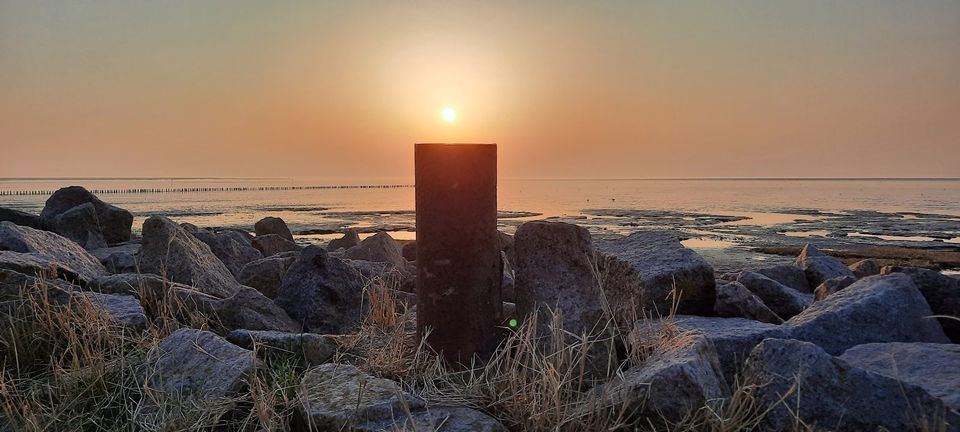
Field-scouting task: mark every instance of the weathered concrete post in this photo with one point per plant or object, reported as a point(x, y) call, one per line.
point(458, 249)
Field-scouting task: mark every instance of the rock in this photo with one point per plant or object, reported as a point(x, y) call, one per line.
point(830, 286)
point(874, 309)
point(129, 283)
point(272, 244)
point(52, 248)
point(171, 251)
point(197, 364)
point(20, 218)
point(507, 279)
point(248, 309)
point(788, 275)
point(120, 258)
point(13, 284)
point(265, 274)
point(864, 268)
point(932, 367)
point(554, 270)
point(647, 265)
point(350, 239)
point(313, 348)
point(409, 250)
point(118, 310)
point(80, 224)
point(230, 247)
point(506, 242)
point(34, 265)
point(819, 267)
point(379, 247)
point(272, 225)
point(732, 338)
point(437, 419)
point(335, 397)
point(323, 293)
point(941, 292)
point(115, 222)
point(783, 300)
point(796, 378)
point(735, 300)
point(677, 379)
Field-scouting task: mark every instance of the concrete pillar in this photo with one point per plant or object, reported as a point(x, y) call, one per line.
point(458, 249)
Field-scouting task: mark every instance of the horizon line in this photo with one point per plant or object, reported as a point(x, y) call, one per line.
point(791, 178)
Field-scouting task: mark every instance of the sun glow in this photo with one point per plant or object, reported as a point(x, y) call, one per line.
point(448, 114)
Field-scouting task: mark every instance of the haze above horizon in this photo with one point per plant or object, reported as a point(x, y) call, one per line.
point(617, 90)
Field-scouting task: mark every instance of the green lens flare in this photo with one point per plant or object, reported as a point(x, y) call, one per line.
point(513, 322)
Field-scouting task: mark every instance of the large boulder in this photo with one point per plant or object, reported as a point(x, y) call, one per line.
point(197, 364)
point(733, 338)
point(115, 222)
point(818, 266)
point(942, 293)
point(554, 270)
point(874, 309)
point(932, 367)
point(272, 244)
point(20, 218)
point(864, 268)
point(787, 274)
point(119, 258)
point(350, 239)
point(80, 224)
point(272, 225)
point(117, 310)
point(314, 349)
point(379, 247)
point(831, 286)
point(265, 274)
point(735, 300)
point(248, 309)
point(678, 378)
point(654, 270)
point(230, 247)
point(799, 380)
point(52, 248)
point(323, 293)
point(783, 300)
point(170, 251)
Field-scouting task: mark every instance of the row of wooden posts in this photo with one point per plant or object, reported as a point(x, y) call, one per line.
point(205, 189)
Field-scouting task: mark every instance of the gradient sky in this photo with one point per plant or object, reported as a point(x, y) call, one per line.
point(709, 88)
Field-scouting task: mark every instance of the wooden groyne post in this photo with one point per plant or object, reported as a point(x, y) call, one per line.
point(458, 249)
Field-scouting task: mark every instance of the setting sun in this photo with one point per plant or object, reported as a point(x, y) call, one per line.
point(449, 114)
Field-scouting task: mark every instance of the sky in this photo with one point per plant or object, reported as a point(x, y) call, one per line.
point(632, 89)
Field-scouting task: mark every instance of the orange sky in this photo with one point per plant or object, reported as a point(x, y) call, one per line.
point(620, 89)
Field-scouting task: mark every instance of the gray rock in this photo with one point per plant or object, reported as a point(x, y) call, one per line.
point(819, 267)
point(323, 293)
point(831, 286)
point(118, 310)
point(508, 291)
point(265, 274)
point(409, 250)
point(653, 268)
point(554, 270)
point(437, 419)
point(171, 251)
point(335, 397)
point(272, 225)
point(864, 268)
point(50, 247)
point(350, 239)
point(675, 381)
point(942, 293)
point(120, 258)
point(248, 309)
point(20, 218)
point(34, 265)
point(197, 364)
point(379, 247)
point(932, 367)
point(735, 300)
point(783, 300)
point(14, 284)
point(789, 275)
point(874, 309)
point(230, 247)
point(80, 224)
point(272, 244)
point(314, 349)
point(115, 223)
point(833, 395)
point(733, 338)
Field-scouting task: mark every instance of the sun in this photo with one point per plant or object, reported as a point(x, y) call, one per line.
point(449, 114)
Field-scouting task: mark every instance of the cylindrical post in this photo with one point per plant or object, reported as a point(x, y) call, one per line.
point(458, 249)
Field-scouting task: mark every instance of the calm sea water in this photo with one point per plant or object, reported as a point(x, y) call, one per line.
point(322, 210)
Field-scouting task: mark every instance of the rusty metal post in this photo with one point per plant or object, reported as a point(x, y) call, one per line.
point(458, 249)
